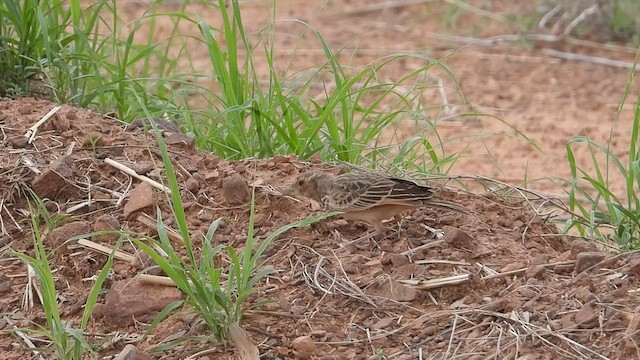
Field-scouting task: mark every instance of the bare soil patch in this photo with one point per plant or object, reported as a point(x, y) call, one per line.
point(532, 291)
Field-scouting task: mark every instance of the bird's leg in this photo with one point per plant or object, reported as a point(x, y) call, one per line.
point(398, 219)
point(377, 235)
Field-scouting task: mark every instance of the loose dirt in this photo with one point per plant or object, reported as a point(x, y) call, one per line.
point(524, 288)
point(531, 292)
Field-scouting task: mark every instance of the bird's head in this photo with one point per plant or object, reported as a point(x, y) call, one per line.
point(309, 184)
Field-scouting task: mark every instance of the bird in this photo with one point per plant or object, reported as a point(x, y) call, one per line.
point(367, 196)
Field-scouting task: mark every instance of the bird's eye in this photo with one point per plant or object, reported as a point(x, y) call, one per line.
point(300, 182)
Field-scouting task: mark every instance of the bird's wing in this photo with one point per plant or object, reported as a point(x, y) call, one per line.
point(356, 192)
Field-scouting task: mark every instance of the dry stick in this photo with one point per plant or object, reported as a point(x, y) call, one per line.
point(587, 58)
point(583, 15)
point(30, 165)
point(382, 6)
point(131, 172)
point(24, 337)
point(31, 132)
point(155, 279)
point(422, 247)
point(436, 283)
point(149, 222)
point(120, 255)
point(447, 262)
point(513, 272)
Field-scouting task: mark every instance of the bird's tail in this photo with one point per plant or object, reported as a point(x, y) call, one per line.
point(447, 205)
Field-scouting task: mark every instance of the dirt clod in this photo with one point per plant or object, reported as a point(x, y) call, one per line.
point(106, 222)
point(579, 245)
point(634, 265)
point(130, 352)
point(304, 346)
point(61, 234)
point(585, 260)
point(457, 238)
point(130, 299)
point(236, 189)
point(53, 179)
point(142, 197)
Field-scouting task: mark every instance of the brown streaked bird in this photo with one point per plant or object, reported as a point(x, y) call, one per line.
point(367, 197)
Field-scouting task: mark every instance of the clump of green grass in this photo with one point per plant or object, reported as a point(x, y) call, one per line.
point(79, 52)
point(86, 58)
point(217, 294)
point(607, 216)
point(68, 341)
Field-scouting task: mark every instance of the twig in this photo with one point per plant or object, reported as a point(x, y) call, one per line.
point(587, 58)
point(422, 247)
point(31, 132)
point(149, 222)
point(447, 262)
point(381, 6)
point(580, 18)
point(436, 283)
point(24, 337)
point(129, 171)
point(121, 255)
point(513, 272)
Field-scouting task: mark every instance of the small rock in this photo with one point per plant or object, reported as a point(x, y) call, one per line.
point(60, 123)
point(18, 142)
point(25, 109)
point(193, 185)
point(614, 324)
point(236, 189)
point(383, 323)
point(280, 159)
point(211, 161)
point(71, 114)
point(106, 222)
point(50, 183)
point(130, 300)
point(567, 322)
point(304, 346)
point(583, 295)
point(585, 260)
point(140, 167)
point(512, 267)
point(577, 246)
point(65, 232)
point(142, 197)
point(630, 334)
point(130, 352)
point(456, 237)
point(320, 334)
point(540, 259)
point(398, 260)
point(535, 272)
point(586, 317)
point(634, 265)
point(181, 140)
point(205, 216)
point(5, 285)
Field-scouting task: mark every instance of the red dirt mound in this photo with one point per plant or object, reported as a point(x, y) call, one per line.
point(500, 283)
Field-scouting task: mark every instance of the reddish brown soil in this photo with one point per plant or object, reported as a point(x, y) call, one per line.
point(527, 295)
point(542, 304)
